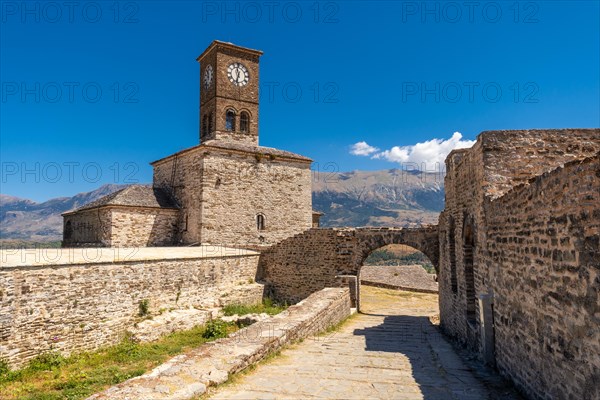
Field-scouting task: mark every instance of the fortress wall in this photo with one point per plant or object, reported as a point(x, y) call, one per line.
point(543, 266)
point(302, 265)
point(332, 257)
point(498, 161)
point(70, 308)
point(463, 207)
point(514, 157)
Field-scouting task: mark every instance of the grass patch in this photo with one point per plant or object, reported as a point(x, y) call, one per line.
point(267, 306)
point(53, 377)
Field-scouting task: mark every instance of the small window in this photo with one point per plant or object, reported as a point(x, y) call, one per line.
point(244, 122)
point(230, 120)
point(210, 123)
point(260, 222)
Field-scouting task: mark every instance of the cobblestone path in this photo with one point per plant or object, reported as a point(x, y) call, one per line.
point(390, 351)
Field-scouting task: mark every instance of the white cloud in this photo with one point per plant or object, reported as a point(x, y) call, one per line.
point(421, 155)
point(362, 149)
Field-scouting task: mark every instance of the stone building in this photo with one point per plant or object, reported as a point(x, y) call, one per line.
point(227, 190)
point(134, 216)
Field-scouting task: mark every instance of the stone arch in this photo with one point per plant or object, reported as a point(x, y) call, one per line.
point(423, 239)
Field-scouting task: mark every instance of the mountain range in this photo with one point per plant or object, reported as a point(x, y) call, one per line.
point(358, 198)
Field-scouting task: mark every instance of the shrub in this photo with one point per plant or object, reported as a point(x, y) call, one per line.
point(144, 305)
point(215, 329)
point(4, 368)
point(46, 361)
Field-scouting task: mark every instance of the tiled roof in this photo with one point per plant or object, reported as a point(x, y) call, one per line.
point(134, 196)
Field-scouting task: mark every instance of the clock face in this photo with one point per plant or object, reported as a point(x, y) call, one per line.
point(238, 74)
point(208, 76)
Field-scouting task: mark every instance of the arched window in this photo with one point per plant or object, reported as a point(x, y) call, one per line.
point(260, 222)
point(244, 122)
point(210, 122)
point(205, 125)
point(230, 120)
point(68, 230)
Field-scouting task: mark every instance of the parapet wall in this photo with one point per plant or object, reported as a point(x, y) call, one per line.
point(75, 306)
point(511, 158)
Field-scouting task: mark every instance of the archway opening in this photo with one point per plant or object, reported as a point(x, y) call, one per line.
point(469, 270)
point(393, 272)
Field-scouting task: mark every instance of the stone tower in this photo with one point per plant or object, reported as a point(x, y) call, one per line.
point(229, 93)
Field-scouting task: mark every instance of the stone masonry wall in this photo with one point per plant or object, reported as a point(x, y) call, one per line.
point(463, 207)
point(301, 265)
point(519, 225)
point(236, 187)
point(88, 228)
point(143, 227)
point(320, 257)
point(513, 157)
point(231, 189)
point(70, 308)
point(544, 270)
point(177, 175)
point(497, 162)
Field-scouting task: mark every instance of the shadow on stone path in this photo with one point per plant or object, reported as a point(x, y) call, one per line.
point(392, 351)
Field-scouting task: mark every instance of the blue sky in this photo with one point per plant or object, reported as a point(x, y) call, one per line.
point(94, 91)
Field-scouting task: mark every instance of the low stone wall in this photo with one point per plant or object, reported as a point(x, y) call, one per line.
point(83, 306)
point(187, 376)
point(412, 278)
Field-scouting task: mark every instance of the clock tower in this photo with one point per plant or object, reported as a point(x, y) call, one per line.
point(229, 93)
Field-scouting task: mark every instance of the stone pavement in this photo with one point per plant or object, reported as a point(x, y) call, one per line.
point(390, 351)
